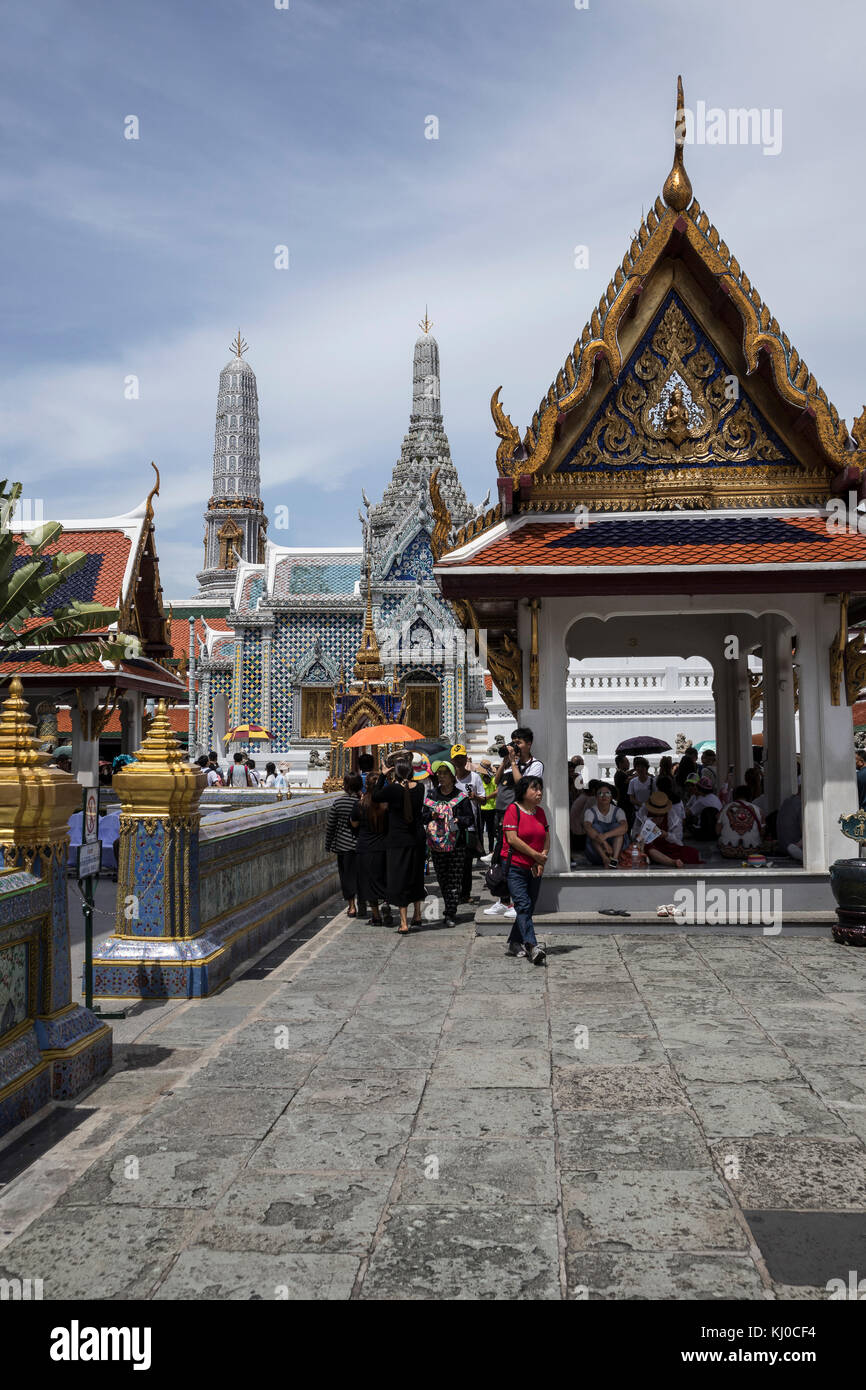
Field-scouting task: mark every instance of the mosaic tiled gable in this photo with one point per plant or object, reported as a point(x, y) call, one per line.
point(675, 374)
point(296, 615)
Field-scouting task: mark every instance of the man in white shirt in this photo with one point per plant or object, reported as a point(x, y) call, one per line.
point(703, 810)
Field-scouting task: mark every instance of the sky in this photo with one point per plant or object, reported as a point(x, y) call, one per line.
point(307, 127)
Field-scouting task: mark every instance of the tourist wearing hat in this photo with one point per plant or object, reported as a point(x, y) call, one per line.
point(661, 849)
point(676, 815)
point(449, 819)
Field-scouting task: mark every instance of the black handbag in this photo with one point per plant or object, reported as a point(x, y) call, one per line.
point(496, 877)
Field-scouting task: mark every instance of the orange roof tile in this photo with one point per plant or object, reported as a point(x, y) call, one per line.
point(100, 580)
point(672, 539)
point(180, 632)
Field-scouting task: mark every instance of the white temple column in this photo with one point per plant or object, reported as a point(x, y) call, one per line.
point(780, 751)
point(740, 752)
point(85, 750)
point(721, 698)
point(826, 739)
point(131, 708)
point(549, 722)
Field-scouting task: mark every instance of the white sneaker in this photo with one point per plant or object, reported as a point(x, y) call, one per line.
point(510, 913)
point(497, 910)
point(485, 859)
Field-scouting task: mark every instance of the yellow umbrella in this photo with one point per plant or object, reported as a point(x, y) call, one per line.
point(251, 732)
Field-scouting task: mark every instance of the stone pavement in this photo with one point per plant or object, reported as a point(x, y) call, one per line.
point(424, 1117)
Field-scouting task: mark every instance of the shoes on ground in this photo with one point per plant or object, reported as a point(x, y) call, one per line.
point(538, 955)
point(498, 909)
point(515, 951)
point(451, 921)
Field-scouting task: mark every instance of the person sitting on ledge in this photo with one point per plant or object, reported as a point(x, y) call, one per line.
point(740, 826)
point(606, 829)
point(660, 847)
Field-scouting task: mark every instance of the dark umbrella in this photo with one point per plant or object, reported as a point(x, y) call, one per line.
point(644, 744)
point(428, 746)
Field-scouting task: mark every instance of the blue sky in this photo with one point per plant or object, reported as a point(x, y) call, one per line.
point(305, 127)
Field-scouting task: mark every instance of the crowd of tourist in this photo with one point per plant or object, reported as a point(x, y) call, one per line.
point(648, 818)
point(391, 824)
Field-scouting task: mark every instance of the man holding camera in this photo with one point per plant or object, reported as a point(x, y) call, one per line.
point(517, 761)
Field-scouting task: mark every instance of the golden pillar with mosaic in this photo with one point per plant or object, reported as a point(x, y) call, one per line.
point(50, 1047)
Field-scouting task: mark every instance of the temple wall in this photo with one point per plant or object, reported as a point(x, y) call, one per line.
point(260, 870)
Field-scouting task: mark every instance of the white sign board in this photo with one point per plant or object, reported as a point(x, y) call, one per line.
point(89, 859)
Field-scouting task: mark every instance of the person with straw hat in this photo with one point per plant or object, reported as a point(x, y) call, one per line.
point(660, 849)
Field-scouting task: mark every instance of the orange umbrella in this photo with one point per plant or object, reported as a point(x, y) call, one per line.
point(382, 733)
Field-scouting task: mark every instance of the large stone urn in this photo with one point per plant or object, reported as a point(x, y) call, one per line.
point(848, 881)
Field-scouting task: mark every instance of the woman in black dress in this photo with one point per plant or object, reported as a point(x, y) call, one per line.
point(340, 839)
point(370, 820)
point(404, 842)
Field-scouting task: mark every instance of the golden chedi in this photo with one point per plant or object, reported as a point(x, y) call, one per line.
point(160, 782)
point(36, 800)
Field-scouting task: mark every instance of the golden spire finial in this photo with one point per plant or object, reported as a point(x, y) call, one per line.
point(18, 746)
point(677, 191)
point(368, 662)
point(240, 345)
point(426, 323)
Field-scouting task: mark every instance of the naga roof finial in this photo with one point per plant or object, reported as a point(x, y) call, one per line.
point(677, 191)
point(239, 346)
point(426, 323)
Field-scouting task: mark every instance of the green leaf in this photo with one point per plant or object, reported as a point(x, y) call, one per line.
point(44, 535)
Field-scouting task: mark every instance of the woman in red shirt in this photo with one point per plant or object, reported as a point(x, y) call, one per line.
point(526, 844)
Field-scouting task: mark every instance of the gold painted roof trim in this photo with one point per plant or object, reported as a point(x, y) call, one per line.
point(598, 341)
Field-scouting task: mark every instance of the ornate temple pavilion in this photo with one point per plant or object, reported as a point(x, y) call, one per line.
point(670, 497)
point(121, 571)
point(278, 627)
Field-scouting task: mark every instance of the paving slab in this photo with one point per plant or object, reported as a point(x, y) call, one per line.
point(96, 1252)
point(807, 1174)
point(766, 1107)
point(649, 1210)
point(444, 1170)
point(273, 1213)
point(354, 1088)
point(600, 1141)
point(755, 1062)
point(486, 1112)
point(508, 1252)
point(617, 1088)
point(662, 1276)
point(231, 1110)
point(310, 1140)
point(498, 1067)
point(188, 1172)
point(203, 1273)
